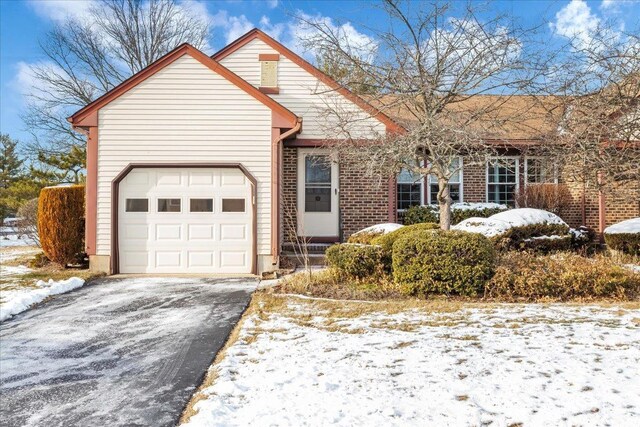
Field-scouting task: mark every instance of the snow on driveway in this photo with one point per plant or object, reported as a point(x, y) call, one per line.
point(532, 364)
point(116, 352)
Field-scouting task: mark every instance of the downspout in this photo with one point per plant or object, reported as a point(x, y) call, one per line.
point(278, 145)
point(602, 208)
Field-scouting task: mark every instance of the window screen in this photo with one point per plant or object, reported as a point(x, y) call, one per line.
point(201, 205)
point(232, 205)
point(137, 205)
point(168, 205)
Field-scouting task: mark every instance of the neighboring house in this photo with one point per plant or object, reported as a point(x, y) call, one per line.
point(208, 165)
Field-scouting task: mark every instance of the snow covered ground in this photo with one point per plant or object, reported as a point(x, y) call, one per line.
point(539, 365)
point(9, 237)
point(15, 295)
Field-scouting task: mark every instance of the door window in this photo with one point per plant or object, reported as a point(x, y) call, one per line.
point(136, 205)
point(232, 205)
point(200, 205)
point(317, 183)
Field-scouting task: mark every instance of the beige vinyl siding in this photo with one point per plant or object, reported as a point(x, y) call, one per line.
point(302, 93)
point(184, 113)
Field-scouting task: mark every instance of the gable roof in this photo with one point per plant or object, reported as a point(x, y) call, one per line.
point(87, 116)
point(324, 78)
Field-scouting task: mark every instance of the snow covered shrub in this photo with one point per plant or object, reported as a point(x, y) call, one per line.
point(420, 214)
point(624, 236)
point(459, 212)
point(61, 223)
point(583, 239)
point(560, 277)
point(549, 197)
point(386, 241)
point(367, 234)
point(443, 262)
point(520, 229)
point(355, 260)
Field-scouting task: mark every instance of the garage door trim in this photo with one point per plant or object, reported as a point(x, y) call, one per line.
point(115, 185)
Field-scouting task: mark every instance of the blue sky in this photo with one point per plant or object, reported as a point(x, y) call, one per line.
point(24, 22)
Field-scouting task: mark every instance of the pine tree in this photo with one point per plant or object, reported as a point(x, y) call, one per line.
point(60, 168)
point(10, 162)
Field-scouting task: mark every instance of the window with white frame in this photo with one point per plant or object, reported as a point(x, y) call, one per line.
point(539, 170)
point(409, 189)
point(502, 180)
point(455, 184)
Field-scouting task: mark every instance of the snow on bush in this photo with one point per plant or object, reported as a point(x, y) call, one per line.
point(14, 302)
point(502, 222)
point(384, 228)
point(630, 226)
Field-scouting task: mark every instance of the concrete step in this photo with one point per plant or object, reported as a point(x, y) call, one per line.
point(292, 259)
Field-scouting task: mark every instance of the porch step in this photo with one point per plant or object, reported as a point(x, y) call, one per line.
point(291, 259)
point(311, 248)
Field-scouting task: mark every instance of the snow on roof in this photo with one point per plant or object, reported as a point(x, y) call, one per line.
point(630, 226)
point(384, 228)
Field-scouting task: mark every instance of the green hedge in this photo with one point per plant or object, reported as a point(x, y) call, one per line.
point(522, 237)
point(386, 241)
point(364, 238)
point(544, 245)
point(443, 262)
point(629, 243)
point(355, 260)
point(419, 214)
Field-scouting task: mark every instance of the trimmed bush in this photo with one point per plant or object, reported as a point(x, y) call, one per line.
point(547, 244)
point(629, 243)
point(386, 241)
point(61, 223)
point(561, 277)
point(363, 238)
point(443, 262)
point(420, 214)
point(583, 239)
point(355, 260)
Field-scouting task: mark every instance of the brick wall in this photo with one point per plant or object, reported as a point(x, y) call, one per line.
point(363, 201)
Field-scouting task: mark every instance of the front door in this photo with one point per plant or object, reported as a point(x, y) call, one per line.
point(317, 194)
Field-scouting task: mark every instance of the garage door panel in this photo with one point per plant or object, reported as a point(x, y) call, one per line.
point(134, 259)
point(233, 232)
point(201, 232)
point(136, 232)
point(230, 259)
point(205, 240)
point(201, 258)
point(168, 258)
point(169, 231)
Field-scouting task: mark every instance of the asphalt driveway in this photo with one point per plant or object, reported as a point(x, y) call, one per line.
point(117, 352)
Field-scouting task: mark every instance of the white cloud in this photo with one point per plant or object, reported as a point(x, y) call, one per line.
point(274, 30)
point(576, 21)
point(234, 26)
point(59, 10)
point(305, 28)
point(272, 4)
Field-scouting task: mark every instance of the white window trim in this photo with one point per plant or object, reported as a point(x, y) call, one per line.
point(486, 173)
point(420, 181)
point(461, 182)
point(526, 169)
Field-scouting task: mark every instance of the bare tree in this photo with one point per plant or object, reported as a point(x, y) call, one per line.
point(598, 139)
point(438, 76)
point(86, 58)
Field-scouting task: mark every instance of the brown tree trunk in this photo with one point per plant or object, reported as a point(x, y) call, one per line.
point(444, 204)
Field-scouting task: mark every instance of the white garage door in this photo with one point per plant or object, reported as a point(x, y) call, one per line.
point(192, 220)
